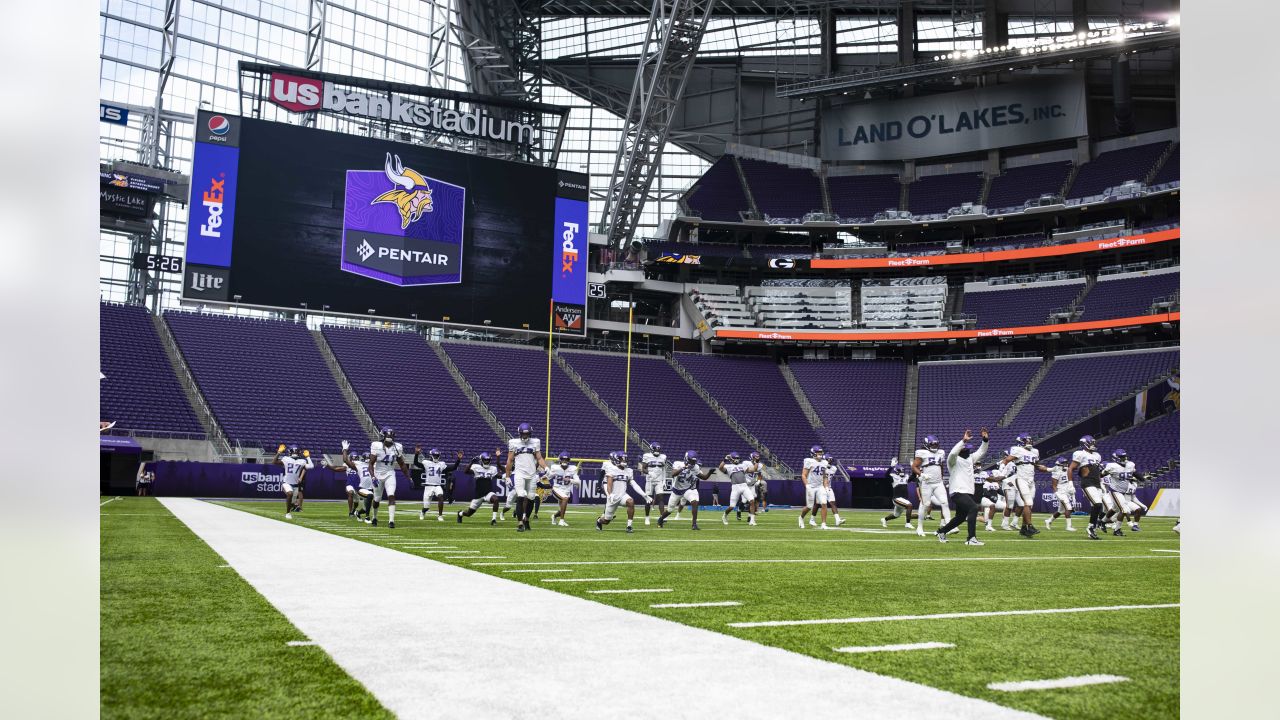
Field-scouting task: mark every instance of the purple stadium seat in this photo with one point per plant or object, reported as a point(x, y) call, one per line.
point(939, 193)
point(718, 194)
point(1127, 297)
point(754, 392)
point(512, 382)
point(1077, 385)
point(140, 392)
point(423, 403)
point(663, 406)
point(975, 394)
point(859, 402)
point(265, 381)
point(782, 191)
point(1017, 185)
point(860, 197)
point(1115, 167)
point(1168, 172)
point(1019, 306)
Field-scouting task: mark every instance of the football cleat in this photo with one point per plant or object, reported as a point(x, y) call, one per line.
point(374, 522)
point(288, 516)
point(974, 541)
point(440, 518)
point(823, 526)
point(725, 519)
point(884, 523)
point(492, 521)
point(942, 537)
point(459, 515)
point(920, 531)
point(1134, 527)
point(908, 525)
point(630, 529)
point(661, 521)
point(1091, 532)
point(563, 523)
point(801, 521)
point(813, 523)
point(598, 525)
point(1118, 532)
point(840, 522)
point(646, 521)
point(695, 526)
point(391, 525)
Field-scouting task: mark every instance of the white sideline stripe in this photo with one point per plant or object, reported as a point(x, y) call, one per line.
point(579, 579)
point(104, 502)
point(724, 603)
point(893, 648)
point(950, 616)
point(1172, 551)
point(529, 571)
point(767, 561)
point(1066, 682)
point(306, 565)
point(628, 590)
point(475, 557)
point(300, 643)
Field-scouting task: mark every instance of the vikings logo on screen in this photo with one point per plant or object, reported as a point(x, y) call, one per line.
point(402, 227)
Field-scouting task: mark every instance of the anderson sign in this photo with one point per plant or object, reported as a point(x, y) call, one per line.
point(957, 122)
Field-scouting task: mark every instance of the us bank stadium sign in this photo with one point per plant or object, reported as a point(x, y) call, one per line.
point(465, 115)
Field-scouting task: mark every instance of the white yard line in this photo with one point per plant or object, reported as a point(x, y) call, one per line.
point(530, 571)
point(768, 561)
point(388, 651)
point(949, 616)
point(475, 557)
point(1171, 551)
point(629, 590)
point(560, 580)
point(104, 502)
point(723, 603)
point(1066, 682)
point(300, 643)
point(894, 648)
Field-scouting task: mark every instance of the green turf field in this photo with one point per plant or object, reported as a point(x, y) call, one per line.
point(779, 572)
point(182, 637)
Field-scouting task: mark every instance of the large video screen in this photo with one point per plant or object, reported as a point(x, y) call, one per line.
point(283, 215)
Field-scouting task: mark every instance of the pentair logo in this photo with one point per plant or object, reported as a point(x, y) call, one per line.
point(219, 125)
point(364, 250)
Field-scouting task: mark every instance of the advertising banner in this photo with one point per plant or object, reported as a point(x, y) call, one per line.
point(212, 209)
point(956, 122)
point(1118, 243)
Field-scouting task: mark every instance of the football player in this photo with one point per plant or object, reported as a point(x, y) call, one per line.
point(927, 465)
point(366, 485)
point(295, 465)
point(1119, 478)
point(898, 478)
point(654, 463)
point(485, 471)
point(992, 496)
point(754, 469)
point(524, 459)
point(1003, 473)
point(815, 493)
point(740, 490)
point(960, 463)
point(684, 486)
point(386, 455)
point(563, 476)
point(829, 467)
point(1025, 458)
point(1065, 490)
point(434, 472)
point(353, 477)
point(617, 478)
point(762, 483)
point(1086, 464)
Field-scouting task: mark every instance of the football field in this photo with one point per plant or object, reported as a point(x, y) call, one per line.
point(1058, 625)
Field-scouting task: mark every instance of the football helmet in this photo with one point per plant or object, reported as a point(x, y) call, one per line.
point(930, 442)
point(1024, 439)
point(524, 430)
point(1120, 455)
point(1088, 443)
point(619, 458)
point(691, 457)
point(485, 457)
point(564, 458)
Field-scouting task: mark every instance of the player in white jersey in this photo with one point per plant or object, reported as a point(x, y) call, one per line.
point(927, 466)
point(617, 478)
point(684, 486)
point(1025, 458)
point(654, 464)
point(754, 470)
point(524, 459)
point(357, 463)
point(1064, 490)
point(1120, 478)
point(1003, 473)
point(813, 475)
point(386, 455)
point(1140, 509)
point(829, 468)
point(434, 473)
point(1086, 464)
point(485, 472)
point(563, 476)
point(960, 467)
point(992, 498)
point(295, 465)
point(740, 490)
point(899, 476)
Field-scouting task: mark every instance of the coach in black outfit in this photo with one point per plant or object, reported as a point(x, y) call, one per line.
point(960, 464)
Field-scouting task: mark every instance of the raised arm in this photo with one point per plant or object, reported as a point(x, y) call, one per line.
point(279, 452)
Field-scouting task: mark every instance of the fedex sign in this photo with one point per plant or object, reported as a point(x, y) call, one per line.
point(569, 273)
point(212, 208)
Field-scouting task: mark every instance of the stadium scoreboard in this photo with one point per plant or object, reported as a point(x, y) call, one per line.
point(282, 215)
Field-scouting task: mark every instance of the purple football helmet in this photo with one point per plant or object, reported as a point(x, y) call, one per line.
point(1120, 455)
point(816, 449)
point(734, 457)
point(1024, 439)
point(1088, 443)
point(619, 458)
point(755, 457)
point(655, 447)
point(691, 457)
point(564, 458)
point(485, 457)
point(930, 442)
point(524, 430)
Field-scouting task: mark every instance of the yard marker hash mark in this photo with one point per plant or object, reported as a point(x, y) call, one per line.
point(629, 590)
point(950, 616)
point(579, 579)
point(894, 648)
point(723, 603)
point(1066, 682)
